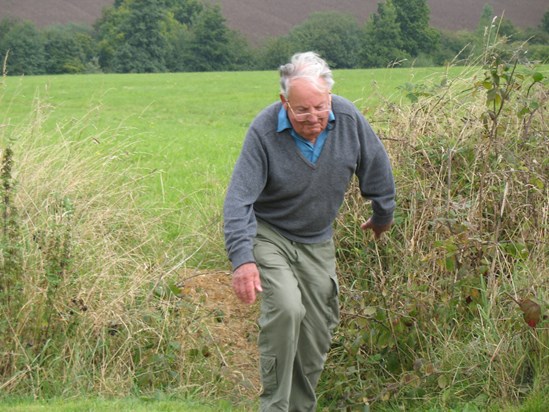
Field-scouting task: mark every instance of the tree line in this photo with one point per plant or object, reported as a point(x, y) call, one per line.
point(147, 36)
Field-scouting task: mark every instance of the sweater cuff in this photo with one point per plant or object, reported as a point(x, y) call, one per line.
point(382, 220)
point(241, 259)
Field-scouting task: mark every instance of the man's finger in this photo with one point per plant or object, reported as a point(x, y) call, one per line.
point(257, 284)
point(244, 288)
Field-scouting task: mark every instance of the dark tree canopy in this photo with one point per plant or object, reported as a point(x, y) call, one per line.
point(25, 46)
point(192, 35)
point(384, 43)
point(413, 17)
point(545, 22)
point(335, 36)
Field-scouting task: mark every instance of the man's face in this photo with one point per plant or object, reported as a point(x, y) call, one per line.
point(308, 108)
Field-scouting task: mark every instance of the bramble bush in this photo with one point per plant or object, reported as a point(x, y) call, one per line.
point(449, 308)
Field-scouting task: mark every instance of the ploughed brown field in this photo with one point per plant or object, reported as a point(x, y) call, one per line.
point(260, 19)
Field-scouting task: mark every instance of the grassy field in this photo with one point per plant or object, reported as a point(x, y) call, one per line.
point(182, 131)
point(434, 324)
point(120, 405)
point(188, 126)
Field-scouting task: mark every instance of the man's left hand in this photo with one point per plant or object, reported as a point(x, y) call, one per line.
point(378, 229)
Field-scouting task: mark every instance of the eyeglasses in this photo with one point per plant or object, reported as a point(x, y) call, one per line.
point(303, 116)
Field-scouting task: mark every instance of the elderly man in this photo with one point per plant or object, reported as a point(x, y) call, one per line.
point(288, 184)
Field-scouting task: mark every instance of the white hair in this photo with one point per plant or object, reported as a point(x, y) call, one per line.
point(306, 65)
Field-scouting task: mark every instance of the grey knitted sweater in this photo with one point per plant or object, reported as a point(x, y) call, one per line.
point(273, 182)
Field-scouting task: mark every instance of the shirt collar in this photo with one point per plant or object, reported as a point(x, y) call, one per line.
point(284, 122)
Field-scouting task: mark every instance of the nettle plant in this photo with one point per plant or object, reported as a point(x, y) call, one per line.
point(79, 262)
point(33, 322)
point(10, 256)
point(449, 307)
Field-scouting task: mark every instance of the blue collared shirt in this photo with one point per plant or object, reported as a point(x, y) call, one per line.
point(310, 151)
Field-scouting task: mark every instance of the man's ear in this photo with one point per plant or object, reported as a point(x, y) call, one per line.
point(283, 98)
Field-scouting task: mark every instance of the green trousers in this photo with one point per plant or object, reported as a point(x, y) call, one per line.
point(299, 310)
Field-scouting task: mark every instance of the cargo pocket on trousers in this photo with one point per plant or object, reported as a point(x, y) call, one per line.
point(333, 306)
point(268, 373)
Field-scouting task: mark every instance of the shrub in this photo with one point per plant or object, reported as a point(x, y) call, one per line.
point(437, 313)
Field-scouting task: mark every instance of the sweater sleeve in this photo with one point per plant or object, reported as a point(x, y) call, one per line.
point(247, 182)
point(375, 174)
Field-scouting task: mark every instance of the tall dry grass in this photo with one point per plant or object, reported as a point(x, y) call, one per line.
point(431, 313)
point(89, 294)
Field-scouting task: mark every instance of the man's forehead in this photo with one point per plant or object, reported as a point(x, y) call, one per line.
point(307, 81)
point(302, 86)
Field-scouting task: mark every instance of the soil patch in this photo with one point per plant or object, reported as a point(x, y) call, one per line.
point(231, 325)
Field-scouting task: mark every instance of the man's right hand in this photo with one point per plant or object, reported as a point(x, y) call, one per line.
point(246, 282)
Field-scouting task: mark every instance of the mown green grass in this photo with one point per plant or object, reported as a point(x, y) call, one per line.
point(119, 405)
point(183, 130)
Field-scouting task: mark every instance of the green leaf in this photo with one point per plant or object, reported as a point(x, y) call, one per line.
point(176, 290)
point(413, 97)
point(174, 345)
point(538, 77)
point(369, 311)
point(450, 264)
point(442, 381)
point(537, 182)
point(491, 95)
point(524, 111)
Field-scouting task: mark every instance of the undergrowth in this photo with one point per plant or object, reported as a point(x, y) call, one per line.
point(447, 310)
point(90, 302)
point(450, 308)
